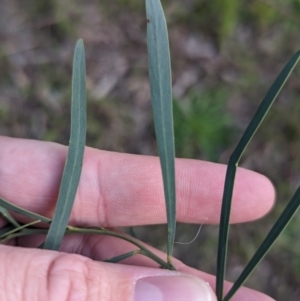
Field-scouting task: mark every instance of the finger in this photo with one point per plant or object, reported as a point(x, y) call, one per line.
point(32, 274)
point(104, 247)
point(120, 189)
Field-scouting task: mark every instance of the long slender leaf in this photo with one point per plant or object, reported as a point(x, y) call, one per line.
point(24, 232)
point(161, 96)
point(73, 166)
point(276, 230)
point(8, 217)
point(19, 210)
point(124, 256)
point(7, 234)
point(233, 163)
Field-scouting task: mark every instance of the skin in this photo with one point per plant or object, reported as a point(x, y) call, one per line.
point(115, 190)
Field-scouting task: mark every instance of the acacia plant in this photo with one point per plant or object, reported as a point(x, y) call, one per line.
point(161, 96)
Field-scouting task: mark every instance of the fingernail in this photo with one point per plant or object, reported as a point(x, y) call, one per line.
point(172, 288)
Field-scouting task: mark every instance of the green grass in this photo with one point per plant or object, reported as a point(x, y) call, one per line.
point(203, 127)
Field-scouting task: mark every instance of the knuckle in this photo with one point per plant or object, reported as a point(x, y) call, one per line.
point(71, 277)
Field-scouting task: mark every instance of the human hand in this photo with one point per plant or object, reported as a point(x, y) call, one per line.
point(115, 190)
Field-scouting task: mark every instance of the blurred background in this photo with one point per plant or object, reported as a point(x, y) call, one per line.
point(225, 55)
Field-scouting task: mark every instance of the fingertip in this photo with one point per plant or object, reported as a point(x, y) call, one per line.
point(255, 193)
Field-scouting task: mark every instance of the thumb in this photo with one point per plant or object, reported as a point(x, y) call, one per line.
point(33, 274)
point(172, 286)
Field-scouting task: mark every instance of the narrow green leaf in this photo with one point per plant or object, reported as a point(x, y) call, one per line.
point(233, 164)
point(25, 232)
point(161, 96)
point(276, 230)
point(8, 217)
point(124, 256)
point(6, 235)
point(73, 166)
point(19, 210)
